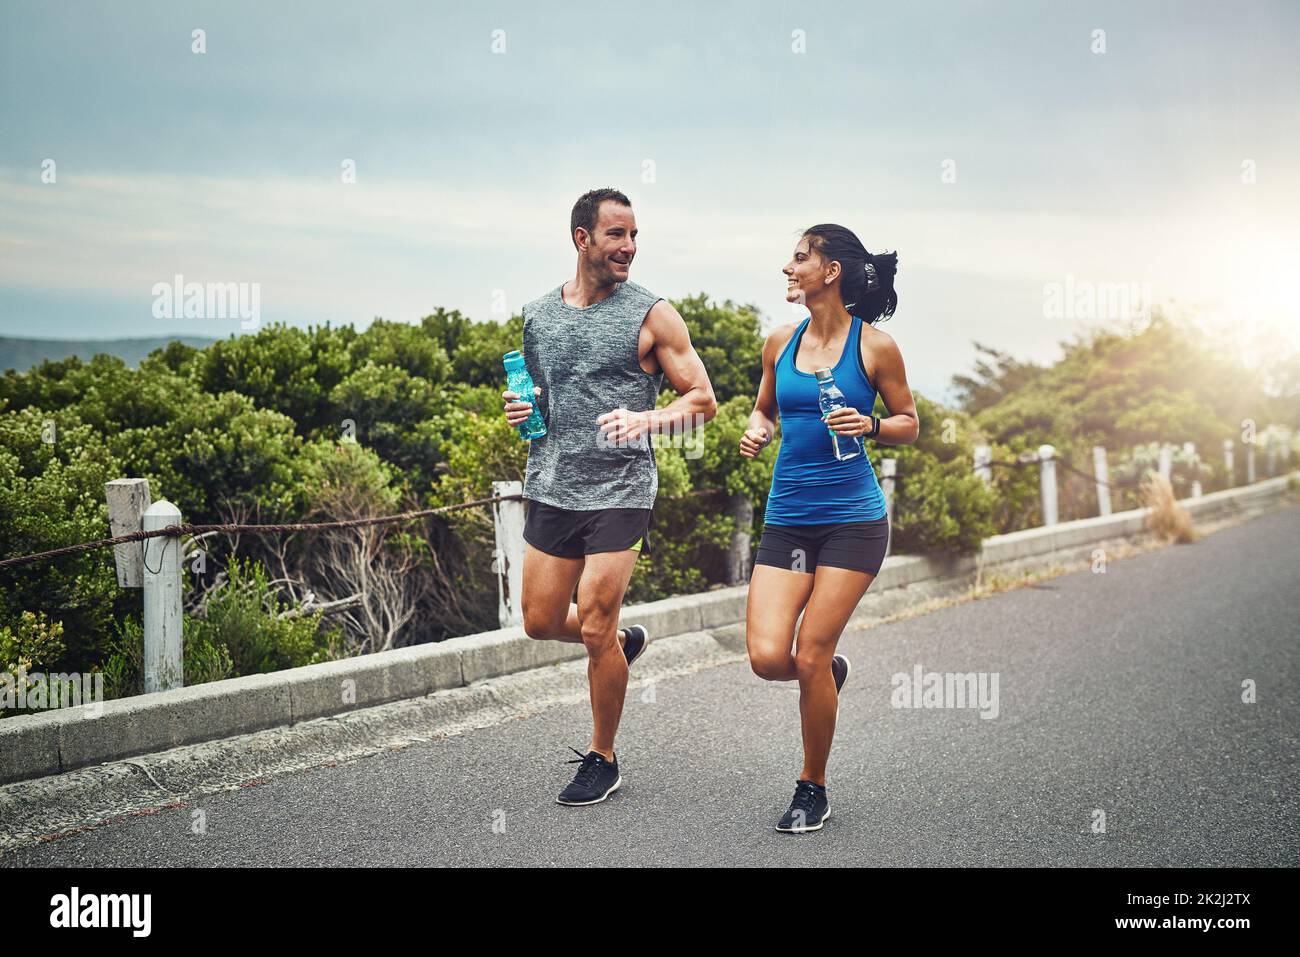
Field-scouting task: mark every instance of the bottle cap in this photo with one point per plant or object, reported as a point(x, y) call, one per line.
point(824, 375)
point(512, 360)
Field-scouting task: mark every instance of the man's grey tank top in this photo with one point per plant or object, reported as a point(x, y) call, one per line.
point(585, 361)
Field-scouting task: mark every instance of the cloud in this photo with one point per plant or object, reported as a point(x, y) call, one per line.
point(399, 247)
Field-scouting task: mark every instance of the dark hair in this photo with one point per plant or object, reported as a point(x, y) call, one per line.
point(867, 283)
point(587, 207)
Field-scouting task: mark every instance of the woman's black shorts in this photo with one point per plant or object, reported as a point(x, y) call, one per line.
point(859, 546)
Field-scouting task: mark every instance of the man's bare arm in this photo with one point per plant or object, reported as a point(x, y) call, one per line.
point(695, 403)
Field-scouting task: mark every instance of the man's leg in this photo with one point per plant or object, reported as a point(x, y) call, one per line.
point(600, 596)
point(548, 610)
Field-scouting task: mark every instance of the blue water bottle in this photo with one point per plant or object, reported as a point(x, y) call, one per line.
point(830, 398)
point(521, 383)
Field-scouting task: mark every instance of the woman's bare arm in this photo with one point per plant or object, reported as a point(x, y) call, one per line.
point(762, 421)
point(902, 426)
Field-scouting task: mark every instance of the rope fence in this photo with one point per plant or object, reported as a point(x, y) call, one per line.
point(188, 528)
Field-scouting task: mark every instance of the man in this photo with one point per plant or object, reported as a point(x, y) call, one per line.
point(598, 348)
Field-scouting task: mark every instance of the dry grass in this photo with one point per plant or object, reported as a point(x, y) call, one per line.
point(1167, 519)
point(988, 582)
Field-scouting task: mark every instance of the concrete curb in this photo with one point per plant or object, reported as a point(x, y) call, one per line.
point(53, 742)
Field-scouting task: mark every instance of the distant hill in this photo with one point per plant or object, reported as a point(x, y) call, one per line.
point(22, 354)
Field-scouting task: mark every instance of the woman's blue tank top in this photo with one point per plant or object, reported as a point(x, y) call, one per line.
point(810, 486)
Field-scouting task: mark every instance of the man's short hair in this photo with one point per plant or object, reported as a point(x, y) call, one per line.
point(586, 209)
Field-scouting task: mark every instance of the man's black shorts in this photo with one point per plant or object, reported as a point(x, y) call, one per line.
point(858, 546)
point(568, 533)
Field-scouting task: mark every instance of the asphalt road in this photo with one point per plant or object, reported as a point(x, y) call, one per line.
point(1118, 693)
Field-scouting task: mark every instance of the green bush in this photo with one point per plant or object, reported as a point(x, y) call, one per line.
point(245, 629)
point(940, 505)
point(32, 644)
point(52, 473)
point(260, 630)
point(123, 669)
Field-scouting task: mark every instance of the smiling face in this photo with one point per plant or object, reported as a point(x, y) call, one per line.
point(608, 250)
point(807, 274)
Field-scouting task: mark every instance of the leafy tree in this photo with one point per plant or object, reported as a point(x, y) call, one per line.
point(475, 348)
point(995, 376)
point(399, 345)
point(218, 453)
point(282, 369)
point(391, 411)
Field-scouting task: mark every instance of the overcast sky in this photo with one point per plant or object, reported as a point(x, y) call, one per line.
point(1169, 161)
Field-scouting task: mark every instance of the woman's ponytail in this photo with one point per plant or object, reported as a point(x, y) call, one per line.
point(867, 283)
point(879, 300)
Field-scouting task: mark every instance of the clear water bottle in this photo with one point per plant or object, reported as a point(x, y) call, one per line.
point(520, 382)
point(830, 398)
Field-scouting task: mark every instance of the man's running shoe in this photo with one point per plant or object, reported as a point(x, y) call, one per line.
point(808, 811)
point(596, 779)
point(636, 639)
point(840, 668)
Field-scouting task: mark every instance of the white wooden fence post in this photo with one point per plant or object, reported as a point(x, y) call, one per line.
point(742, 517)
point(1189, 449)
point(888, 468)
point(1270, 450)
point(983, 456)
point(1250, 463)
point(161, 558)
point(508, 558)
point(1047, 482)
point(127, 501)
point(1166, 461)
point(1228, 465)
point(1102, 473)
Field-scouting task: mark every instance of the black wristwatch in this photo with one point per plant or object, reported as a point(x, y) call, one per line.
point(875, 428)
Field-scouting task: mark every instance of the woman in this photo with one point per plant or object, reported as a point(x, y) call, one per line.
point(825, 528)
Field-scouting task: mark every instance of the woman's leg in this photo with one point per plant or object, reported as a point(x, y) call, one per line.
point(835, 594)
point(776, 597)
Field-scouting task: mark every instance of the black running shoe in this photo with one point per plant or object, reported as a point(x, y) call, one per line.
point(808, 811)
point(637, 639)
point(596, 779)
point(840, 668)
